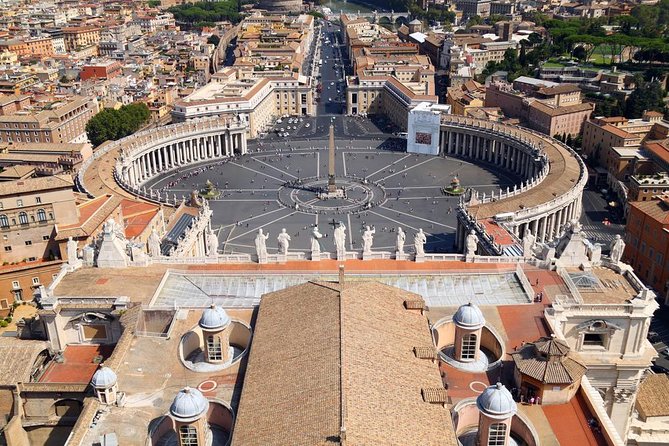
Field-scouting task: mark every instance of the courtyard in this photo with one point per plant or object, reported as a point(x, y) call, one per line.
point(276, 186)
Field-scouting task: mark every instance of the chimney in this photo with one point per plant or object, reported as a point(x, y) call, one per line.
point(341, 275)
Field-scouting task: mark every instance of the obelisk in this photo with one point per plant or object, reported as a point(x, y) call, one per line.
point(331, 164)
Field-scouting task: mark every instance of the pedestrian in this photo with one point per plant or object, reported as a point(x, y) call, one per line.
point(532, 401)
point(538, 400)
point(537, 283)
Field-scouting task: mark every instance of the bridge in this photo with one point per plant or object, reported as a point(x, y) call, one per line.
point(390, 16)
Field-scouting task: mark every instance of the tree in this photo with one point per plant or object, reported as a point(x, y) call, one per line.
point(647, 96)
point(213, 39)
point(580, 53)
point(110, 124)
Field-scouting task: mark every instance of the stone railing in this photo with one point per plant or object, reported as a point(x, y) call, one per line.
point(517, 139)
point(138, 142)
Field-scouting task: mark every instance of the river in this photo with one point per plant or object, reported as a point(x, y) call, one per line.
point(346, 6)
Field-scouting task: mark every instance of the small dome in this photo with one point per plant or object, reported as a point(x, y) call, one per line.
point(496, 402)
point(188, 405)
point(469, 316)
point(103, 378)
point(415, 22)
point(214, 318)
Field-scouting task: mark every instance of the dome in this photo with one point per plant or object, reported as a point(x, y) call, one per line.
point(415, 22)
point(188, 405)
point(469, 316)
point(214, 318)
point(496, 402)
point(103, 378)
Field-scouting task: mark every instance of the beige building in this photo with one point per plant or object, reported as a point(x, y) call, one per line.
point(61, 121)
point(29, 211)
point(256, 98)
point(80, 37)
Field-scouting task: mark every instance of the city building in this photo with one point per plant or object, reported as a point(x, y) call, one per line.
point(61, 121)
point(647, 240)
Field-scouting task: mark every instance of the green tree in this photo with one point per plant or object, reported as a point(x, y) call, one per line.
point(646, 96)
point(213, 39)
point(110, 124)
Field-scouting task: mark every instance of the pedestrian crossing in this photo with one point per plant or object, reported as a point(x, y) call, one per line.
point(595, 234)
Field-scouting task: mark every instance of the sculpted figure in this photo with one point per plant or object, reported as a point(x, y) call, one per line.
point(528, 243)
point(617, 249)
point(340, 240)
point(315, 240)
point(399, 241)
point(261, 247)
point(284, 241)
point(154, 244)
point(212, 243)
point(472, 243)
point(71, 251)
point(419, 241)
point(368, 239)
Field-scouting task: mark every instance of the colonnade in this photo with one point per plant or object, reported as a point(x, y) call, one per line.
point(527, 155)
point(511, 155)
point(167, 149)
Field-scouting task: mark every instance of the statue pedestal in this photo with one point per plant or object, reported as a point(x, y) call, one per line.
point(262, 259)
point(341, 256)
point(367, 255)
point(469, 258)
point(400, 255)
point(281, 258)
point(73, 265)
point(316, 255)
point(420, 258)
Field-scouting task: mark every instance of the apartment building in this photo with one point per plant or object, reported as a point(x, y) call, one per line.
point(29, 211)
point(80, 37)
point(549, 108)
point(256, 98)
point(647, 236)
point(470, 8)
point(104, 69)
point(466, 96)
point(60, 121)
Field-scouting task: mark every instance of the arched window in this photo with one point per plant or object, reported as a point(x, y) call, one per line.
point(41, 215)
point(188, 435)
point(23, 218)
point(469, 346)
point(214, 349)
point(497, 434)
point(4, 221)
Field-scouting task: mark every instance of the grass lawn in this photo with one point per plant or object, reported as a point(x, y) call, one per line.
point(552, 64)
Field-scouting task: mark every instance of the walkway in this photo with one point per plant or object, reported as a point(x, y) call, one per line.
point(78, 365)
point(570, 423)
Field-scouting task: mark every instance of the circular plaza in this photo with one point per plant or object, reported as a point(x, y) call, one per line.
point(279, 188)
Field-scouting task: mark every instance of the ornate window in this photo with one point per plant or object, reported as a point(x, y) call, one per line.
point(214, 349)
point(23, 218)
point(188, 436)
point(41, 215)
point(468, 346)
point(497, 434)
point(596, 334)
point(4, 221)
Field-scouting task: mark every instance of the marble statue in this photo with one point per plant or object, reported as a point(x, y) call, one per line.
point(71, 251)
point(617, 249)
point(368, 239)
point(340, 240)
point(261, 248)
point(284, 241)
point(575, 226)
point(419, 241)
point(399, 241)
point(109, 227)
point(528, 243)
point(212, 243)
point(315, 243)
point(472, 243)
point(154, 244)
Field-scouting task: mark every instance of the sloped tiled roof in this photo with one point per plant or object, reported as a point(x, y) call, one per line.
point(549, 361)
point(653, 397)
point(324, 358)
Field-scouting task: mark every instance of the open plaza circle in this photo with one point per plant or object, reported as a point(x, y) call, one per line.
point(308, 196)
point(405, 190)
